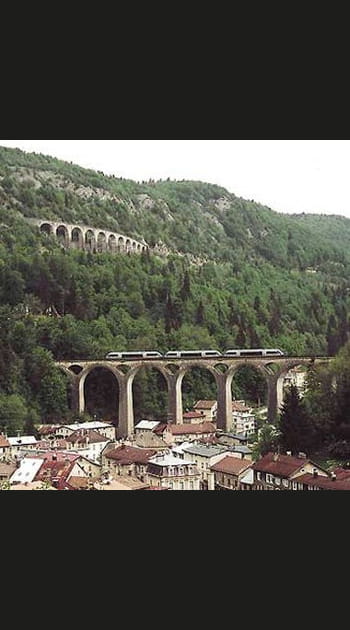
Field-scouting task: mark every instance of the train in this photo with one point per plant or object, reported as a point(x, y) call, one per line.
point(195, 354)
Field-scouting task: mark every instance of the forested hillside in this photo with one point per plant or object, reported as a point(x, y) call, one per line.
point(237, 274)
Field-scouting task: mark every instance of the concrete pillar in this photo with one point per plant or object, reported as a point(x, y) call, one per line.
point(74, 385)
point(126, 407)
point(224, 412)
point(175, 410)
point(274, 396)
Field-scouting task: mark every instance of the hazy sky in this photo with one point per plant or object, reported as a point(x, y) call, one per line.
point(286, 175)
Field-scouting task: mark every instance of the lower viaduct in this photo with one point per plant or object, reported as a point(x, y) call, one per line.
point(94, 240)
point(174, 371)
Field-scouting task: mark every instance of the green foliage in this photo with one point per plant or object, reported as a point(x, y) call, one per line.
point(243, 278)
point(297, 431)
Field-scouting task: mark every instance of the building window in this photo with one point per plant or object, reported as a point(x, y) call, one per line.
point(277, 480)
point(269, 478)
point(258, 476)
point(191, 485)
point(182, 485)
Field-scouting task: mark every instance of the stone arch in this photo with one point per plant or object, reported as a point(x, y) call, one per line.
point(90, 241)
point(138, 248)
point(46, 228)
point(112, 243)
point(159, 382)
point(101, 242)
point(144, 248)
point(128, 246)
point(63, 235)
point(186, 370)
point(88, 371)
point(121, 244)
point(77, 238)
point(134, 246)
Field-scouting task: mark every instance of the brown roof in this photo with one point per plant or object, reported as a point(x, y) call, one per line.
point(184, 429)
point(204, 404)
point(282, 465)
point(32, 485)
point(325, 483)
point(125, 455)
point(7, 469)
point(80, 483)
point(82, 436)
point(192, 414)
point(4, 442)
point(122, 483)
point(231, 465)
point(47, 429)
point(236, 406)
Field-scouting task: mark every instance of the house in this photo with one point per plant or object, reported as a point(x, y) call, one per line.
point(122, 483)
point(5, 448)
point(6, 471)
point(58, 468)
point(228, 473)
point(297, 377)
point(338, 479)
point(208, 408)
point(177, 433)
point(27, 470)
point(32, 485)
point(126, 460)
point(88, 443)
point(193, 417)
point(232, 439)
point(47, 430)
point(145, 425)
point(17, 443)
point(281, 472)
point(243, 420)
point(174, 473)
point(148, 439)
point(205, 456)
point(241, 451)
point(104, 428)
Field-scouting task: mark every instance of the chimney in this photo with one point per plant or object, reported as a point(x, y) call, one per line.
point(333, 476)
point(315, 473)
point(275, 457)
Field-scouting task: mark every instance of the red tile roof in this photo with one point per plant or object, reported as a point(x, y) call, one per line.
point(325, 483)
point(236, 406)
point(55, 471)
point(4, 442)
point(188, 429)
point(231, 465)
point(126, 455)
point(204, 404)
point(47, 429)
point(82, 436)
point(282, 465)
point(192, 414)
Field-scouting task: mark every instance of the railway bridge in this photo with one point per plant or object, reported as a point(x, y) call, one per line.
point(223, 369)
point(94, 240)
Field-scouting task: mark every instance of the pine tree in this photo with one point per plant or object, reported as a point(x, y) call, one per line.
point(200, 315)
point(297, 431)
point(185, 292)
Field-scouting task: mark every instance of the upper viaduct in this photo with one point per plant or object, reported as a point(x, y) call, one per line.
point(87, 238)
point(174, 371)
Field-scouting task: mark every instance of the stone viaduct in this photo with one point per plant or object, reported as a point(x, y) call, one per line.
point(87, 238)
point(174, 371)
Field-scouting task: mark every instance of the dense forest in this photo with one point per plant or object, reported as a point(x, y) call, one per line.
point(236, 274)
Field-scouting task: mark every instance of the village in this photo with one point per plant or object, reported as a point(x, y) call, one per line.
point(194, 455)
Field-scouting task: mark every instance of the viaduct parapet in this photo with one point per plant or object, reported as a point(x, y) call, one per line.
point(95, 240)
point(174, 371)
